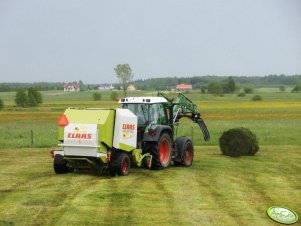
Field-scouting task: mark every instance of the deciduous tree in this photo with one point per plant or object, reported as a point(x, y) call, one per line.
point(96, 96)
point(296, 89)
point(34, 97)
point(229, 86)
point(215, 88)
point(31, 98)
point(21, 98)
point(124, 74)
point(1, 104)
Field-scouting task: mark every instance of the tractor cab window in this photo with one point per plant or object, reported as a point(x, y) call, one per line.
point(140, 110)
point(148, 113)
point(157, 114)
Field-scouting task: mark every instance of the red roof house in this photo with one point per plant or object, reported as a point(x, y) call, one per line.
point(71, 87)
point(184, 87)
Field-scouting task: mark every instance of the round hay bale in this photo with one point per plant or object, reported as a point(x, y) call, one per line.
point(238, 141)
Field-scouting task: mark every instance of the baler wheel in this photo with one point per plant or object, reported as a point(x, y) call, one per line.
point(60, 164)
point(123, 164)
point(120, 164)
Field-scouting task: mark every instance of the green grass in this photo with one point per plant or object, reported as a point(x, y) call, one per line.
point(276, 120)
point(216, 190)
point(19, 134)
point(268, 132)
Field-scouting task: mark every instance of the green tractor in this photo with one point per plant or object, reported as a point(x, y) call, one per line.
point(141, 132)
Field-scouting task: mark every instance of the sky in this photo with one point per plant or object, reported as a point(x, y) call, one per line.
point(72, 40)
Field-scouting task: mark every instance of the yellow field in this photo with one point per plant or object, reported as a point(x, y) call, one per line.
point(249, 105)
point(249, 116)
point(28, 116)
point(212, 111)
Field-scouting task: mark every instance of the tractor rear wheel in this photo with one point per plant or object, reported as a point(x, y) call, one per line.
point(60, 164)
point(161, 152)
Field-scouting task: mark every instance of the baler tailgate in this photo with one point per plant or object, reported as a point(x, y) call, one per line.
point(80, 140)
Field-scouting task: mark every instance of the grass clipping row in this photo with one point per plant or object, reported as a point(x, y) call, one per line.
point(238, 141)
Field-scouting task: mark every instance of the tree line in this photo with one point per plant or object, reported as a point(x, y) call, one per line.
point(201, 82)
point(40, 86)
point(168, 83)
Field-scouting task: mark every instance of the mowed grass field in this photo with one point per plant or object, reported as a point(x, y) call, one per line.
point(215, 190)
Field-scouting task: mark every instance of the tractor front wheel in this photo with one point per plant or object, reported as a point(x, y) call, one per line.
point(188, 154)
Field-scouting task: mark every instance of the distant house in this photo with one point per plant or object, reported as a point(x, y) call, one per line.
point(131, 88)
point(171, 88)
point(105, 87)
point(184, 87)
point(71, 87)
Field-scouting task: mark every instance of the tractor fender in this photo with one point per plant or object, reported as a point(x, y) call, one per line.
point(158, 131)
point(179, 147)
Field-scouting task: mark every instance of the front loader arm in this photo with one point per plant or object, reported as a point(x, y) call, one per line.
point(184, 107)
point(204, 128)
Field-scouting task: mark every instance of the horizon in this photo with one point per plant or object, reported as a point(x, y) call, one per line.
point(144, 79)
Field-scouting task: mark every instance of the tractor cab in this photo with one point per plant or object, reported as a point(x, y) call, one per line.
point(149, 110)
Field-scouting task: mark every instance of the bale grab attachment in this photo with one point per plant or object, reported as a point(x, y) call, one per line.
point(184, 107)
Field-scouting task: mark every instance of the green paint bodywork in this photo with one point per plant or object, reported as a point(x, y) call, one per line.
point(125, 147)
point(137, 154)
point(104, 118)
point(167, 114)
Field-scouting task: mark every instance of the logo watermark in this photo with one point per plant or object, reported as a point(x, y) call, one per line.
point(282, 215)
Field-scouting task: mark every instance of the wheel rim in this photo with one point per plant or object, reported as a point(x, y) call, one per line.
point(124, 166)
point(164, 152)
point(188, 156)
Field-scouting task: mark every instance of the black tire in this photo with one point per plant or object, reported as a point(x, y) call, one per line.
point(123, 167)
point(161, 151)
point(185, 150)
point(188, 154)
point(60, 164)
point(120, 164)
point(177, 163)
point(112, 164)
point(112, 171)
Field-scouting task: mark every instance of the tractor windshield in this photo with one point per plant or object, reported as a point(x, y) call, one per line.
point(140, 110)
point(147, 113)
